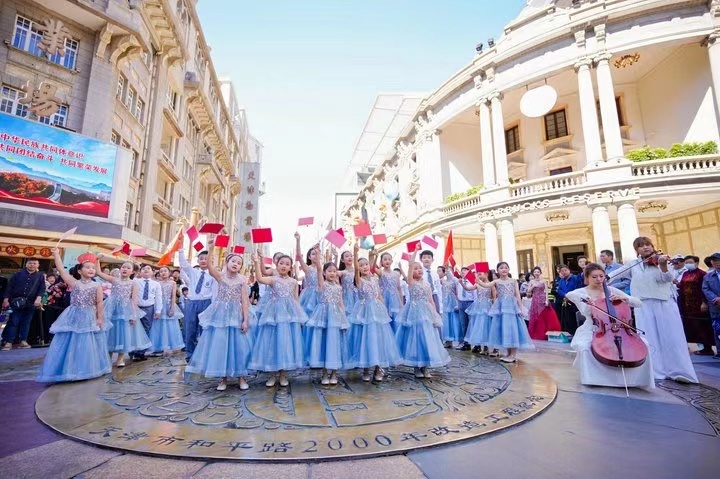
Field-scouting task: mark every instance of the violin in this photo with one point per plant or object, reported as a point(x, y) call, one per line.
point(616, 342)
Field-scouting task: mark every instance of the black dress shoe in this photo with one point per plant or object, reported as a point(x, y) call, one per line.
point(465, 347)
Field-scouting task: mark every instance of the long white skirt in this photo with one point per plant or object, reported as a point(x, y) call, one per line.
point(664, 332)
point(594, 373)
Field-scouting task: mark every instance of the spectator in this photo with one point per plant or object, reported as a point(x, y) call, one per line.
point(711, 289)
point(607, 259)
point(23, 294)
point(566, 309)
point(693, 307)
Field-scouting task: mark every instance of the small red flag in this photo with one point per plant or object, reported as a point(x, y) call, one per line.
point(222, 241)
point(362, 229)
point(138, 252)
point(430, 241)
point(379, 239)
point(262, 235)
point(406, 256)
point(192, 233)
point(449, 248)
point(412, 246)
point(470, 276)
point(335, 238)
point(212, 228)
point(267, 261)
point(238, 249)
point(199, 246)
point(482, 267)
point(306, 221)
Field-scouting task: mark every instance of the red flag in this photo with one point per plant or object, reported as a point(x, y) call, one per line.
point(192, 233)
point(406, 256)
point(138, 252)
point(451, 261)
point(428, 240)
point(411, 246)
point(449, 248)
point(379, 239)
point(238, 249)
point(124, 249)
point(222, 241)
point(267, 261)
point(335, 238)
point(482, 267)
point(212, 228)
point(362, 229)
point(340, 232)
point(199, 246)
point(306, 221)
point(167, 257)
point(261, 235)
point(470, 276)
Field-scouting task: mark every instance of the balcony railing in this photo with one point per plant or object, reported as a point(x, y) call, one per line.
point(548, 184)
point(682, 166)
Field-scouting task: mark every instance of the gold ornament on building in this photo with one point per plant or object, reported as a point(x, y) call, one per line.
point(652, 206)
point(627, 60)
point(557, 216)
point(42, 100)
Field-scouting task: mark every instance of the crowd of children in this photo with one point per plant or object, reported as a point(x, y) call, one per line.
point(352, 315)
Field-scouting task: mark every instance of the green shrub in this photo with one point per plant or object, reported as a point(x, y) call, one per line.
point(463, 194)
point(676, 150)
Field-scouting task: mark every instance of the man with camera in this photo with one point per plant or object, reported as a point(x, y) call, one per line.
point(22, 295)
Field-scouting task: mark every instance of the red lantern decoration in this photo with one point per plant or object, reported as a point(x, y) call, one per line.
point(45, 252)
point(12, 249)
point(29, 251)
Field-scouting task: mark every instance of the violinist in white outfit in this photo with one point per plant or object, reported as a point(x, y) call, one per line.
point(592, 371)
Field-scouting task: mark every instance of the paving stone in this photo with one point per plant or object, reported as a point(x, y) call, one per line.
point(129, 465)
point(230, 470)
point(376, 468)
point(58, 460)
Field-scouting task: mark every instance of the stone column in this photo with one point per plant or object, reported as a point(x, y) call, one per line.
point(602, 230)
point(492, 254)
point(713, 45)
point(488, 159)
point(588, 113)
point(429, 162)
point(628, 228)
point(498, 129)
point(507, 239)
point(608, 108)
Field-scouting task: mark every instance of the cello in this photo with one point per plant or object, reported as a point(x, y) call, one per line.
point(615, 342)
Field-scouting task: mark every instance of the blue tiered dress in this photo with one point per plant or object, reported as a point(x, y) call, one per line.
point(119, 311)
point(350, 292)
point(390, 288)
point(279, 343)
point(417, 330)
point(325, 334)
point(478, 331)
point(223, 350)
point(79, 349)
point(309, 295)
point(165, 332)
point(371, 341)
point(452, 328)
point(508, 329)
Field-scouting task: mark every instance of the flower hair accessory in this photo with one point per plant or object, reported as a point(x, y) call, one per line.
point(87, 258)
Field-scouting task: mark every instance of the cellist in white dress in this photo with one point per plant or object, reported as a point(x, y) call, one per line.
point(592, 371)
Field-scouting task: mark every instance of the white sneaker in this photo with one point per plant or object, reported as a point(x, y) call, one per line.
point(271, 381)
point(244, 386)
point(222, 386)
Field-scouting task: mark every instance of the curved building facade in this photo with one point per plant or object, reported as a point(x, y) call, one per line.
point(628, 147)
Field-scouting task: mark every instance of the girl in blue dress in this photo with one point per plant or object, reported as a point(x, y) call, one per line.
point(279, 344)
point(309, 295)
point(452, 327)
point(508, 329)
point(346, 270)
point(79, 348)
point(325, 334)
point(266, 295)
point(478, 330)
point(417, 327)
point(390, 287)
point(165, 333)
point(224, 347)
point(370, 341)
point(121, 310)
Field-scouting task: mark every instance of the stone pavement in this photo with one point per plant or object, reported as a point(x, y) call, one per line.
point(589, 431)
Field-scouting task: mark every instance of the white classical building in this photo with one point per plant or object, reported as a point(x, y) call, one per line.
point(543, 189)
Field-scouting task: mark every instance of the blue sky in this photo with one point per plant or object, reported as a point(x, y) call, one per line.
point(308, 72)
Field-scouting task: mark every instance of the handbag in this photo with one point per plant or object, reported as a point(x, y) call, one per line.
point(18, 303)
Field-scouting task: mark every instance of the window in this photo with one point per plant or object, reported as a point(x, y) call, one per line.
point(555, 125)
point(128, 215)
point(184, 206)
point(618, 104)
point(139, 109)
point(134, 164)
point(27, 37)
point(525, 261)
point(120, 91)
point(130, 99)
point(9, 102)
point(115, 137)
point(125, 144)
point(172, 98)
point(59, 118)
point(187, 170)
point(512, 139)
point(561, 171)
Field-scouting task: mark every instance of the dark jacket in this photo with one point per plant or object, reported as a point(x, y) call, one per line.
point(25, 285)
